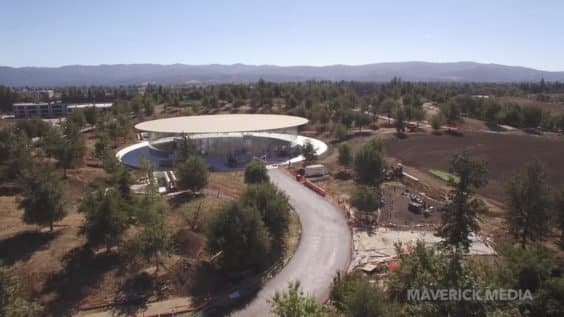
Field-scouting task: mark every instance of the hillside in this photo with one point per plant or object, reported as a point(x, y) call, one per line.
point(181, 73)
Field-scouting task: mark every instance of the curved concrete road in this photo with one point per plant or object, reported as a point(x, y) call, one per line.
point(324, 249)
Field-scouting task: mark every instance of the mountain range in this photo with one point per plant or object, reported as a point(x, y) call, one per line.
point(132, 74)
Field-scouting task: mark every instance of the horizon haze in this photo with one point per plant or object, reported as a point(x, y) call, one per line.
point(135, 74)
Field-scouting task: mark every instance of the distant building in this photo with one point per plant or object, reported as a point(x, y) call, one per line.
point(52, 109)
point(40, 109)
point(100, 106)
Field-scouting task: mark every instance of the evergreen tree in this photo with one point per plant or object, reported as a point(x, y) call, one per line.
point(294, 302)
point(529, 212)
point(185, 148)
point(255, 172)
point(308, 151)
point(559, 211)
point(192, 173)
point(106, 218)
point(12, 305)
point(239, 233)
point(42, 196)
point(369, 164)
point(345, 155)
point(153, 241)
point(273, 206)
point(460, 214)
point(340, 131)
point(354, 296)
point(366, 198)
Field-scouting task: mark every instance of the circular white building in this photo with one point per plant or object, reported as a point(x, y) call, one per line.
point(225, 140)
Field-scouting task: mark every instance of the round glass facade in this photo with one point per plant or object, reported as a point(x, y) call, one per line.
point(235, 148)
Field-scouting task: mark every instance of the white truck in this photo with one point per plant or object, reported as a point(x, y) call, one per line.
point(316, 170)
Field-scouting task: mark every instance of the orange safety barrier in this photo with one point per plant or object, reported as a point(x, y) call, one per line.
point(314, 187)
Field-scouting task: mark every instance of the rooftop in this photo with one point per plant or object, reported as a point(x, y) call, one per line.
point(25, 104)
point(88, 105)
point(221, 123)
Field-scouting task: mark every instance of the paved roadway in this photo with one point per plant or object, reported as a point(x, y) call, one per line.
point(324, 249)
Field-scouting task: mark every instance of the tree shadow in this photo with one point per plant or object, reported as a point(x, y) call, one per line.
point(82, 271)
point(495, 127)
point(134, 294)
point(182, 198)
point(343, 175)
point(9, 189)
point(401, 135)
point(23, 245)
point(456, 133)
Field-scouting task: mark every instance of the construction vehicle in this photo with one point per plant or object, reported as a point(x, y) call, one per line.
point(415, 207)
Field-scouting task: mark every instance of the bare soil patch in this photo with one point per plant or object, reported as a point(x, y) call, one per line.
point(504, 154)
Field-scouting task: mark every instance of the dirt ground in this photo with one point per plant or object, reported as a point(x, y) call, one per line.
point(395, 209)
point(505, 154)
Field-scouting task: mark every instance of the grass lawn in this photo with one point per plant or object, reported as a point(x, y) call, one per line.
point(446, 176)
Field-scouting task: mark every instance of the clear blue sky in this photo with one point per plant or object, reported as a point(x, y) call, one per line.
point(53, 33)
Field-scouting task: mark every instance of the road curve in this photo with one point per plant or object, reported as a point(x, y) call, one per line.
point(324, 249)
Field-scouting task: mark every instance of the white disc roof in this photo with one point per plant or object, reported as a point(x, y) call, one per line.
point(221, 123)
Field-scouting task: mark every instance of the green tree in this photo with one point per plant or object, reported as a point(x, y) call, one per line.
point(106, 218)
point(491, 110)
point(273, 206)
point(366, 198)
point(451, 111)
point(76, 118)
point(308, 151)
point(239, 233)
point(460, 215)
point(399, 122)
point(33, 127)
point(68, 149)
point(91, 115)
point(531, 269)
point(529, 213)
point(255, 172)
point(15, 153)
point(121, 179)
point(42, 196)
point(345, 155)
point(559, 211)
point(185, 148)
point(340, 131)
point(294, 303)
point(361, 120)
point(192, 173)
point(354, 296)
point(532, 116)
point(369, 164)
point(428, 268)
point(102, 147)
point(437, 122)
point(153, 241)
point(12, 305)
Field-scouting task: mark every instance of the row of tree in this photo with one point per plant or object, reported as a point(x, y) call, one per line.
point(247, 231)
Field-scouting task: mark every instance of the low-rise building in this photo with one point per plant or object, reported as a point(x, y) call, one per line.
point(52, 109)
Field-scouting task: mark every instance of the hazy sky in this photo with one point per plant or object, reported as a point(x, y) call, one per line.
point(53, 33)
